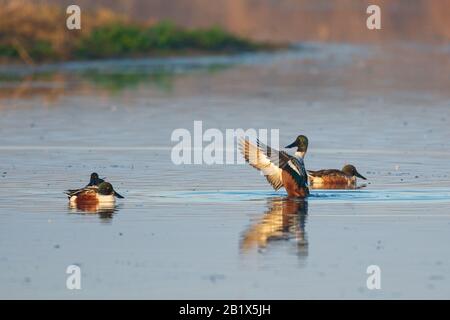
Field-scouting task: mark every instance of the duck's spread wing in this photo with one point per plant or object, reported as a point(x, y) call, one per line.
point(278, 158)
point(292, 165)
point(268, 160)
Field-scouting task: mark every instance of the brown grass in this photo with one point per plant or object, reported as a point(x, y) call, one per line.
point(24, 24)
point(36, 31)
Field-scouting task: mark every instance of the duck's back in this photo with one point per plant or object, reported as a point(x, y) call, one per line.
point(330, 179)
point(326, 172)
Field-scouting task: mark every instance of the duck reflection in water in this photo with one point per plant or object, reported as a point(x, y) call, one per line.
point(104, 210)
point(284, 220)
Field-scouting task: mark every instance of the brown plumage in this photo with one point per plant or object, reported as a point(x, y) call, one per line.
point(260, 161)
point(88, 197)
point(279, 168)
point(291, 186)
point(334, 179)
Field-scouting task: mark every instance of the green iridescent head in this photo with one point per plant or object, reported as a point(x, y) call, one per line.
point(301, 143)
point(105, 189)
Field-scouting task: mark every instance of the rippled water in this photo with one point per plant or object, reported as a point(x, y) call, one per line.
point(219, 231)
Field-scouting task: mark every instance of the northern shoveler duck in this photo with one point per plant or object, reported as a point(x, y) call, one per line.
point(280, 168)
point(334, 179)
point(103, 193)
point(93, 181)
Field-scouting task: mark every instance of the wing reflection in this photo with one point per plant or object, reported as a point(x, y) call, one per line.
point(284, 220)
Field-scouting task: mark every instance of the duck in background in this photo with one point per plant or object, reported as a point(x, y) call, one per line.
point(96, 195)
point(334, 178)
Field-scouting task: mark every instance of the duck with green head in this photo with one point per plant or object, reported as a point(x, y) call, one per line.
point(301, 143)
point(280, 168)
point(103, 193)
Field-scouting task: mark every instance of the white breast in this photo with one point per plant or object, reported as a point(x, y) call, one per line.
point(72, 199)
point(106, 199)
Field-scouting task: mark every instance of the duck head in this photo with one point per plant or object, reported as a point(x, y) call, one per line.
point(106, 189)
point(350, 170)
point(302, 145)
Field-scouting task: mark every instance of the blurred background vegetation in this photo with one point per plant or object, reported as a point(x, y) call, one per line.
point(34, 32)
point(292, 20)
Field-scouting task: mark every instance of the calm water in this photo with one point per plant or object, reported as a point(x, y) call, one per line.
point(198, 231)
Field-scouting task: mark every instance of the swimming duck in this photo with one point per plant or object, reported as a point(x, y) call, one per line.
point(280, 168)
point(93, 181)
point(334, 179)
point(103, 193)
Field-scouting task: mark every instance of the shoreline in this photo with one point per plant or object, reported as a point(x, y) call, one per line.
point(15, 62)
point(156, 60)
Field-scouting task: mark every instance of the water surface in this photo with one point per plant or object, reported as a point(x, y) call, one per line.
point(198, 231)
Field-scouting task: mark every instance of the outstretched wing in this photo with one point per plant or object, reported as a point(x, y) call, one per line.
point(278, 158)
point(292, 165)
point(268, 160)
